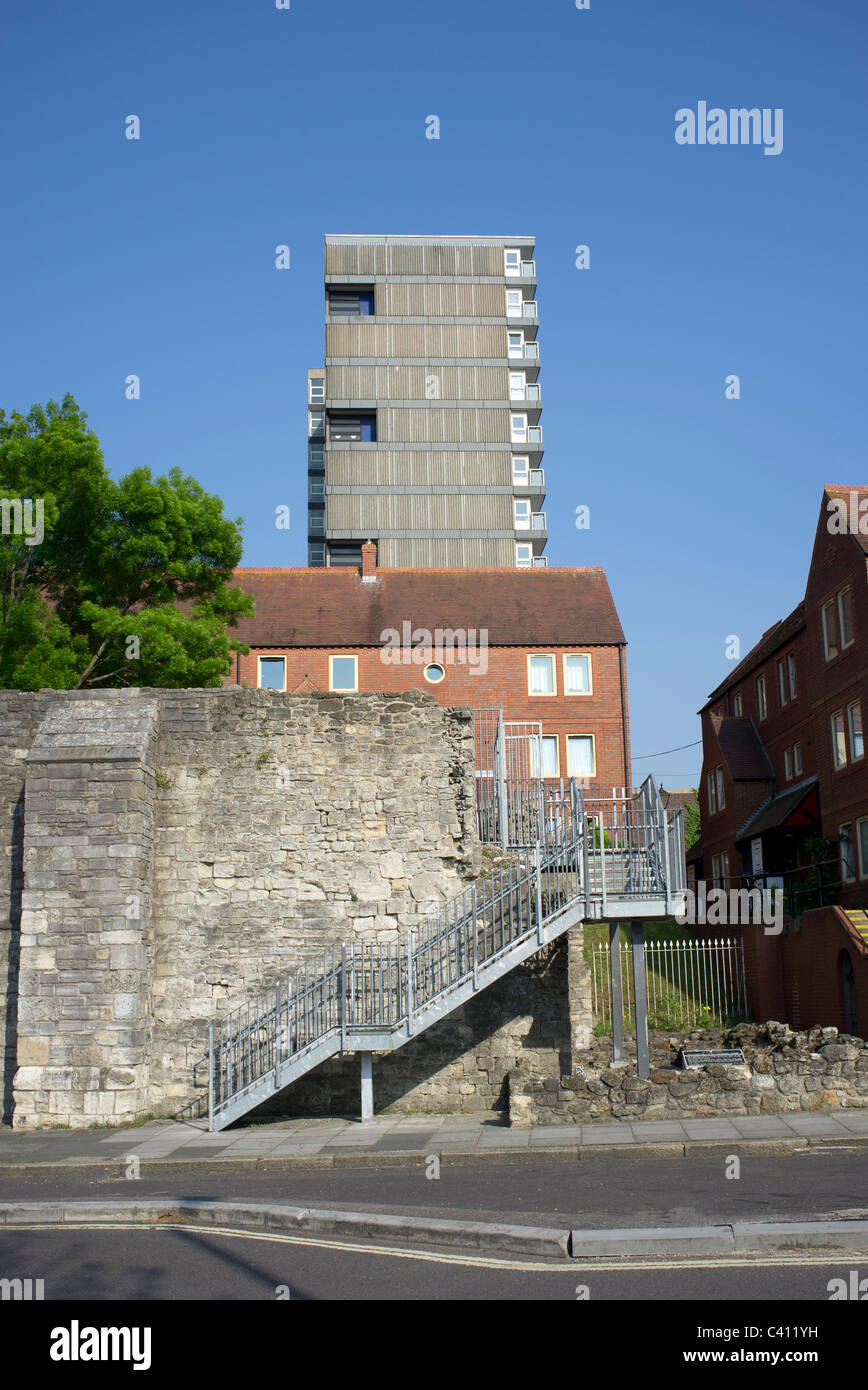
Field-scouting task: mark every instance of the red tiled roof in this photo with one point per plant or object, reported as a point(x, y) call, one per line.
point(742, 749)
point(522, 608)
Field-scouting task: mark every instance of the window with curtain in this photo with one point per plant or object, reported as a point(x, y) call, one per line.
point(541, 675)
point(577, 675)
point(580, 755)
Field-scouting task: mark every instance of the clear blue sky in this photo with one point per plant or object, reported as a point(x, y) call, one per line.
point(262, 126)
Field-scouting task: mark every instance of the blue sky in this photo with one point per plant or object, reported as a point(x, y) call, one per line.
point(263, 126)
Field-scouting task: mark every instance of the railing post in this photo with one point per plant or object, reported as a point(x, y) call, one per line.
point(666, 862)
point(616, 993)
point(276, 1029)
point(537, 871)
point(640, 998)
point(343, 997)
point(211, 1076)
point(411, 1003)
point(500, 782)
point(475, 942)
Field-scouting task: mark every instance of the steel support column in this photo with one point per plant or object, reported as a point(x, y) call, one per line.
point(367, 1076)
point(640, 997)
point(616, 993)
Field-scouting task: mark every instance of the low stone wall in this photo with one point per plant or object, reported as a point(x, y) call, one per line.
point(783, 1071)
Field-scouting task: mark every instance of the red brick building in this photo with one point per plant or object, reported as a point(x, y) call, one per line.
point(784, 789)
point(545, 644)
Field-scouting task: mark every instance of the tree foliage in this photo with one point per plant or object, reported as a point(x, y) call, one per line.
point(130, 583)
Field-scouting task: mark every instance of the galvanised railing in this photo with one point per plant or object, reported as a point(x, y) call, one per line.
point(689, 983)
point(374, 996)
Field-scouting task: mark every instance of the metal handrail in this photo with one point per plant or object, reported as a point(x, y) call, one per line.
point(371, 987)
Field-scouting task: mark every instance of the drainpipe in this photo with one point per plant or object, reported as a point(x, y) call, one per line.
point(628, 778)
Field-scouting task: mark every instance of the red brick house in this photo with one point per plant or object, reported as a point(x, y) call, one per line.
point(545, 644)
point(784, 787)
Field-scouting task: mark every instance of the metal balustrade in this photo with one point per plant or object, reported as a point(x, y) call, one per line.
point(592, 857)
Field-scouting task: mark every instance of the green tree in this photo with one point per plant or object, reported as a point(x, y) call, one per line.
point(130, 583)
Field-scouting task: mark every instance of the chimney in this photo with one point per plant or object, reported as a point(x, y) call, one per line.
point(369, 560)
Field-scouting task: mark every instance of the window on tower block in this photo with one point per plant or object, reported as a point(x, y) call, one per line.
point(354, 300)
point(352, 429)
point(514, 304)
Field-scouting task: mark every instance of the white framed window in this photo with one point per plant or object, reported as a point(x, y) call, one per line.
point(272, 673)
point(839, 740)
point(830, 630)
point(581, 755)
point(523, 555)
point(344, 673)
point(541, 676)
point(782, 681)
point(788, 764)
point(316, 390)
point(791, 674)
point(434, 673)
point(547, 746)
point(721, 797)
point(516, 386)
point(577, 674)
point(715, 870)
point(845, 850)
point(854, 726)
point(862, 846)
point(515, 341)
point(845, 618)
point(521, 508)
point(316, 427)
point(711, 793)
point(724, 869)
point(797, 759)
point(521, 470)
point(514, 304)
point(518, 427)
point(762, 707)
point(736, 706)
point(511, 260)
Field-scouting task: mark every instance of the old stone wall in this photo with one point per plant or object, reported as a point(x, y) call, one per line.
point(783, 1071)
point(20, 717)
point(168, 853)
point(284, 824)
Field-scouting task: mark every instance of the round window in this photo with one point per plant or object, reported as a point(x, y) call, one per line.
point(434, 673)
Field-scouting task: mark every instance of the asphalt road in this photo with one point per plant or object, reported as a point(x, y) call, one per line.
point(593, 1192)
point(171, 1264)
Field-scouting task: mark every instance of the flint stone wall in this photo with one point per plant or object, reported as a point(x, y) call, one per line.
point(784, 1071)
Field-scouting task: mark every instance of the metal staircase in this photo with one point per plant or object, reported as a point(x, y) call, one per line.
point(600, 859)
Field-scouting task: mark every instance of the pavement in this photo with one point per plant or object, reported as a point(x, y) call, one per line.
point(171, 1145)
